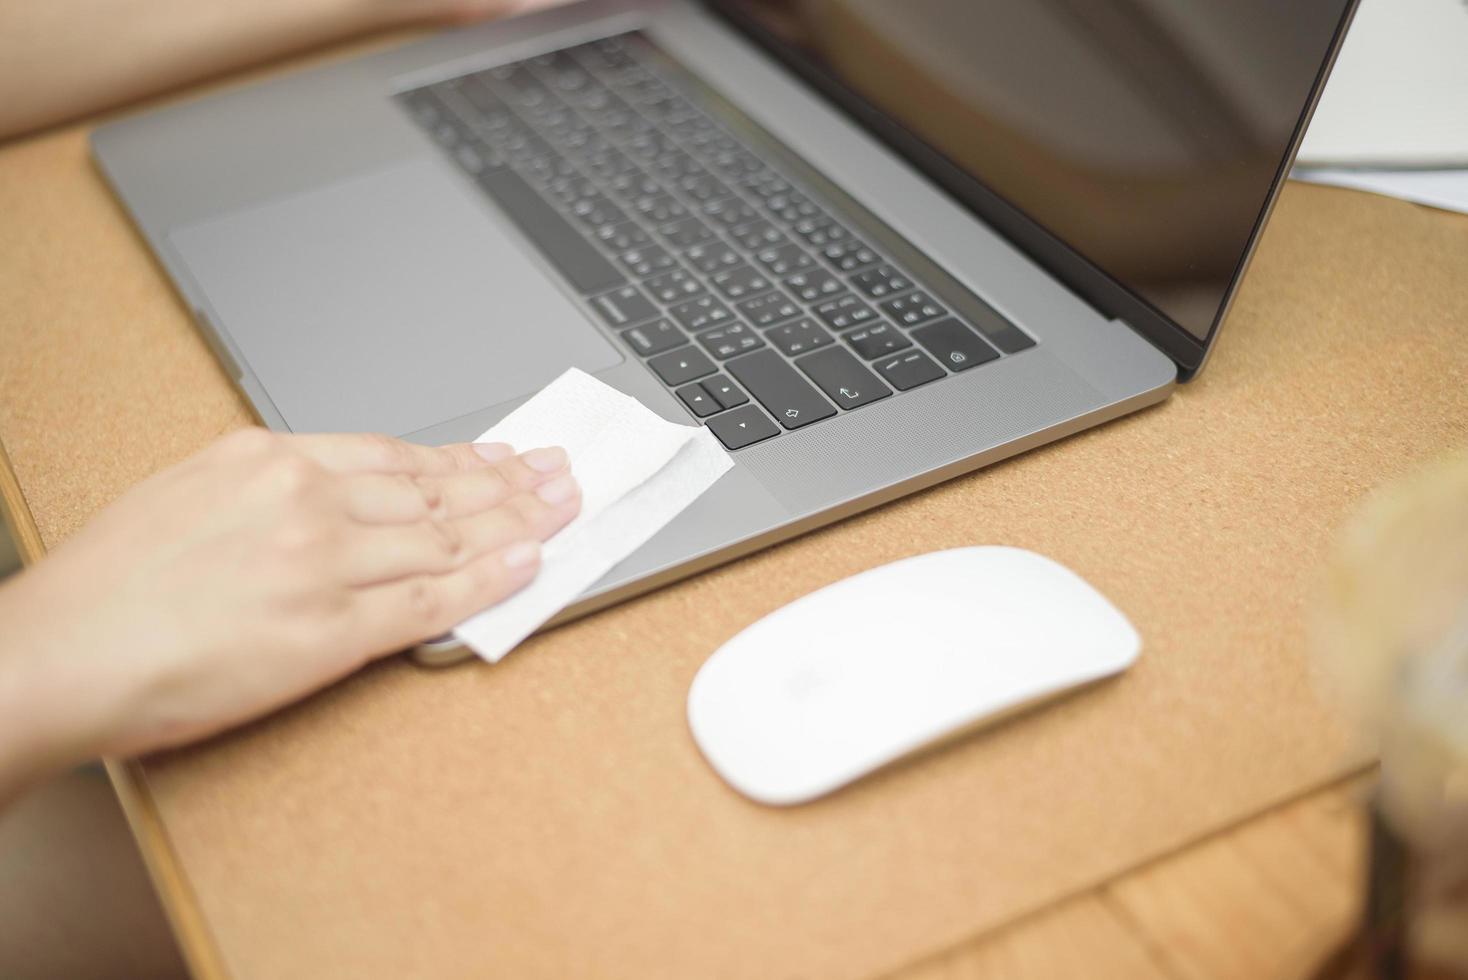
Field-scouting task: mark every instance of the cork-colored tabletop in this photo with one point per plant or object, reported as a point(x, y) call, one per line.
point(550, 816)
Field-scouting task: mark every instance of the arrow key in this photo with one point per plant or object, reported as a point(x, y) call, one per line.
point(725, 392)
point(742, 427)
point(678, 367)
point(844, 379)
point(699, 402)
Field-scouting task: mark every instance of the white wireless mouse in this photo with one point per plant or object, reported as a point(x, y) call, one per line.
point(870, 669)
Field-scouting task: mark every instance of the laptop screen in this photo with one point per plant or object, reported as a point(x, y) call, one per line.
point(1144, 135)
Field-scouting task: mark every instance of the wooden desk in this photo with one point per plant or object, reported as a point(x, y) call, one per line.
point(549, 816)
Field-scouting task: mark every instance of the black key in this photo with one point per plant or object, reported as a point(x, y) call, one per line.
point(815, 285)
point(742, 427)
point(607, 54)
point(470, 159)
point(845, 379)
point(660, 209)
point(562, 74)
point(620, 238)
point(647, 260)
point(736, 164)
point(725, 392)
point(908, 370)
point(678, 367)
point(654, 338)
point(730, 212)
point(820, 231)
point(727, 342)
point(913, 309)
point(699, 402)
point(780, 388)
point(682, 119)
point(518, 146)
point(572, 188)
point(784, 260)
point(845, 312)
point(556, 122)
point(647, 146)
point(881, 282)
point(424, 108)
point(711, 143)
point(878, 339)
point(544, 170)
point(767, 185)
point(624, 307)
point(594, 212)
point(516, 85)
point(701, 313)
point(997, 330)
point(771, 308)
point(675, 165)
point(848, 256)
point(686, 233)
point(582, 265)
point(634, 186)
point(448, 133)
point(740, 282)
point(670, 287)
point(792, 208)
point(954, 345)
point(492, 112)
point(610, 164)
point(760, 236)
point(800, 337)
point(703, 186)
point(713, 257)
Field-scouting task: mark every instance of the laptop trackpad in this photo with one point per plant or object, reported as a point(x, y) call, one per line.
point(386, 303)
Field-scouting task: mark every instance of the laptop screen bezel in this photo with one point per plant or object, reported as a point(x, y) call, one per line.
point(1084, 277)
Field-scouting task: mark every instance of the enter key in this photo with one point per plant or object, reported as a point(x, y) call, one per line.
point(844, 379)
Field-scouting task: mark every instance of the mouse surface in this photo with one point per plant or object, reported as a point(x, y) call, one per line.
point(872, 668)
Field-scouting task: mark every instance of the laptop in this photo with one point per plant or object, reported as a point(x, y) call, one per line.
point(871, 245)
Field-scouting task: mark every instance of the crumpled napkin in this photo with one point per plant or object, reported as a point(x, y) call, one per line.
point(637, 472)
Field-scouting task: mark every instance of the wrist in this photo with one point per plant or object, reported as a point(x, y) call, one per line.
point(52, 715)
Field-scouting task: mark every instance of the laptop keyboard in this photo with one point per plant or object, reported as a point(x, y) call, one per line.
point(741, 291)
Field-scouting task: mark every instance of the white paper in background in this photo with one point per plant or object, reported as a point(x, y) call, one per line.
point(1398, 96)
point(1447, 189)
point(637, 472)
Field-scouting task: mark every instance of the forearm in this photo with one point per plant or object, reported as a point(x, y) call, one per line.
point(50, 714)
point(71, 57)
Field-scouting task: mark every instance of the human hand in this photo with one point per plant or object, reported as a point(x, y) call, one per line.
point(259, 570)
point(79, 56)
point(460, 11)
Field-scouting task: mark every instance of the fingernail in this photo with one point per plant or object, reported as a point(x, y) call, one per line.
point(546, 460)
point(522, 554)
point(557, 491)
point(493, 452)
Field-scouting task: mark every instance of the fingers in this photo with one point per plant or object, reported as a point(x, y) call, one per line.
point(372, 453)
point(435, 546)
point(391, 616)
point(394, 498)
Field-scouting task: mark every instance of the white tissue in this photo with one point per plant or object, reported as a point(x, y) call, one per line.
point(637, 472)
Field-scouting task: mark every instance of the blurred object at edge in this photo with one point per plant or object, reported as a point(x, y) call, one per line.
point(1392, 630)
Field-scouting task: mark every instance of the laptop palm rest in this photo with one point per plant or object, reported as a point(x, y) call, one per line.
point(387, 302)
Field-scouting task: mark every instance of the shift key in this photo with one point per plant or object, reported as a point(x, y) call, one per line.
point(791, 399)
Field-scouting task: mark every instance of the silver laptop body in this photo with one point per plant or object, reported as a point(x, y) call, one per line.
point(366, 250)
